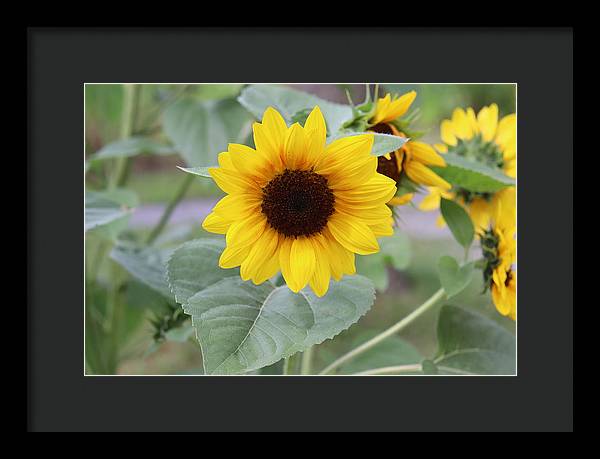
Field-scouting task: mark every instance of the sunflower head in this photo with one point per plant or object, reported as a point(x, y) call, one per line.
point(414, 159)
point(498, 246)
point(297, 205)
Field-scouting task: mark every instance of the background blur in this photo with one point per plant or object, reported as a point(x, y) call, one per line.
point(155, 178)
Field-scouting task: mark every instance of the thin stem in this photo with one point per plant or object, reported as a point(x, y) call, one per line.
point(391, 370)
point(126, 126)
point(287, 366)
point(387, 333)
point(164, 219)
point(290, 365)
point(306, 365)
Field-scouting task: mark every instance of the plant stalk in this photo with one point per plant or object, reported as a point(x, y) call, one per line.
point(306, 365)
point(437, 296)
point(164, 219)
point(391, 370)
point(126, 127)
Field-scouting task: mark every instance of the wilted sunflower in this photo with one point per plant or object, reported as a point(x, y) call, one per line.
point(498, 245)
point(298, 205)
point(414, 157)
point(484, 139)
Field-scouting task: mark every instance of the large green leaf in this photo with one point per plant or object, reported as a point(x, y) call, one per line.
point(458, 221)
point(131, 147)
point(382, 143)
point(201, 130)
point(473, 175)
point(243, 327)
point(102, 209)
point(148, 265)
point(469, 343)
point(194, 266)
point(454, 278)
point(258, 97)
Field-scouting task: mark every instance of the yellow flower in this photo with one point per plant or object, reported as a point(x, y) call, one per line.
point(299, 206)
point(493, 142)
point(414, 157)
point(499, 251)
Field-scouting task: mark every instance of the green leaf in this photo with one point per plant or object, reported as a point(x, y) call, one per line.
point(472, 175)
point(469, 343)
point(131, 147)
point(243, 327)
point(200, 171)
point(147, 265)
point(458, 221)
point(194, 265)
point(382, 143)
point(201, 130)
point(258, 97)
point(393, 351)
point(102, 209)
point(454, 278)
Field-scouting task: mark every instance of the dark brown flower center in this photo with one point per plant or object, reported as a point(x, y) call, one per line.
point(297, 203)
point(387, 167)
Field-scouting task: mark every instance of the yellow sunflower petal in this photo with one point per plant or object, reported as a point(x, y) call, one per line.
point(432, 200)
point(421, 174)
point(285, 247)
point(296, 148)
point(214, 223)
point(481, 213)
point(425, 154)
point(319, 281)
point(378, 188)
point(353, 234)
point(315, 125)
point(233, 256)
point(232, 181)
point(269, 136)
point(440, 147)
point(244, 232)
point(488, 122)
point(302, 261)
point(394, 109)
point(472, 119)
point(250, 163)
point(341, 260)
point(401, 200)
point(256, 266)
point(461, 124)
point(345, 153)
point(384, 228)
point(236, 206)
point(447, 133)
point(381, 109)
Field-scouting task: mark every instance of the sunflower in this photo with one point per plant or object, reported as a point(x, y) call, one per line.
point(498, 245)
point(299, 206)
point(484, 139)
point(414, 157)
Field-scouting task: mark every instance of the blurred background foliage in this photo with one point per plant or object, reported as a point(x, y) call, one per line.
point(124, 317)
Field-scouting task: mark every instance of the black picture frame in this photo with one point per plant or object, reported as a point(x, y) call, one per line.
point(60, 61)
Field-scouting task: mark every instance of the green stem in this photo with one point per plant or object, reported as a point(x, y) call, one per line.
point(306, 365)
point(126, 127)
point(164, 219)
point(393, 370)
point(290, 364)
point(437, 296)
